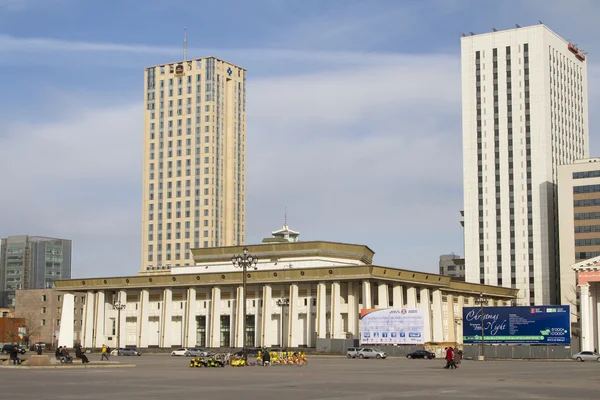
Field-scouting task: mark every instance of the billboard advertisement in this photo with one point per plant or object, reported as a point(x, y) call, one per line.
point(518, 325)
point(392, 326)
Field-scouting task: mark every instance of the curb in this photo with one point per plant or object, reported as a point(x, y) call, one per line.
point(66, 366)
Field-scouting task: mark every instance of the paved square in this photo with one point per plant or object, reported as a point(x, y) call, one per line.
point(166, 377)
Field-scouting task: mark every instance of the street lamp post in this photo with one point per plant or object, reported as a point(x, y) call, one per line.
point(482, 300)
point(118, 306)
point(282, 303)
point(244, 261)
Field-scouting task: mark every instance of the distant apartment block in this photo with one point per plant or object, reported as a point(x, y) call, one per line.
point(31, 262)
point(453, 266)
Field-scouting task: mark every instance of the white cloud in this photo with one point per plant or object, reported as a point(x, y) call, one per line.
point(78, 178)
point(358, 154)
point(367, 154)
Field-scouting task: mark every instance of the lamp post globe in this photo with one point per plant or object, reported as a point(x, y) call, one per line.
point(244, 261)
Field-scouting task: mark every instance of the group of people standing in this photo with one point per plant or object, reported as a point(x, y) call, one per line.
point(453, 358)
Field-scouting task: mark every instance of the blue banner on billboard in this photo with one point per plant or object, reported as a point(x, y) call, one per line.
point(518, 325)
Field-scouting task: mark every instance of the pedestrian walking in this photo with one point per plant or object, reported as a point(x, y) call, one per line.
point(449, 357)
point(457, 357)
point(104, 353)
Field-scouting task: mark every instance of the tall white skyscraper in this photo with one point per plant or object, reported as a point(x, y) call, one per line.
point(194, 182)
point(524, 109)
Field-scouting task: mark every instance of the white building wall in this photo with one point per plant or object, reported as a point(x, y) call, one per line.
point(557, 101)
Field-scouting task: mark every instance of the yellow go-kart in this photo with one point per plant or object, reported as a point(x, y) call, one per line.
point(239, 362)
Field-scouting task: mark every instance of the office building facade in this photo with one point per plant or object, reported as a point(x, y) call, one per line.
point(194, 175)
point(524, 100)
point(31, 262)
point(41, 311)
point(579, 223)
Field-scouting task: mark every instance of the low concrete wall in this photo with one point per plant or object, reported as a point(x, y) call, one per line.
point(339, 346)
point(518, 352)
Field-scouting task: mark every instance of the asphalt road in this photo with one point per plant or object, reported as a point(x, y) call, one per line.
point(165, 377)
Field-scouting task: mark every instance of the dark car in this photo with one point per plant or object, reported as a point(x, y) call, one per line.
point(421, 354)
point(7, 348)
point(251, 353)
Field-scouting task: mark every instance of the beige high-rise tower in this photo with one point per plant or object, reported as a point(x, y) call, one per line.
point(194, 185)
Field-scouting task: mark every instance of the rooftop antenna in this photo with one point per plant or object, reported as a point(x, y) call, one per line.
point(462, 34)
point(184, 44)
point(495, 30)
point(285, 217)
point(517, 25)
point(540, 22)
point(472, 33)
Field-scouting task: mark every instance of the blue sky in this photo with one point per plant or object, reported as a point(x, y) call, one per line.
point(353, 115)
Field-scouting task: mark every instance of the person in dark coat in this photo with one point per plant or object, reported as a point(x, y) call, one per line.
point(14, 355)
point(266, 358)
point(80, 354)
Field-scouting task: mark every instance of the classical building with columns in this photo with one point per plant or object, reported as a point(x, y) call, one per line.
point(299, 292)
point(588, 286)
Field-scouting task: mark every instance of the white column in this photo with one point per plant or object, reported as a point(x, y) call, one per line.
point(426, 306)
point(267, 310)
point(411, 294)
point(586, 323)
point(67, 321)
point(100, 337)
point(459, 327)
point(88, 321)
point(352, 310)
point(336, 316)
point(450, 319)
point(398, 296)
point(190, 319)
point(239, 317)
point(438, 327)
point(595, 297)
point(310, 325)
point(167, 312)
point(383, 295)
point(366, 295)
point(215, 317)
point(597, 326)
point(491, 303)
point(142, 319)
point(321, 311)
point(293, 316)
point(123, 321)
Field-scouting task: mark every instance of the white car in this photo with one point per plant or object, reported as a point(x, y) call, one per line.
point(180, 352)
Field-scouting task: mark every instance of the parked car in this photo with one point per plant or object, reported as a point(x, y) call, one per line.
point(7, 348)
point(251, 353)
point(586, 356)
point(129, 351)
point(371, 353)
point(195, 352)
point(421, 354)
point(180, 352)
point(352, 352)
